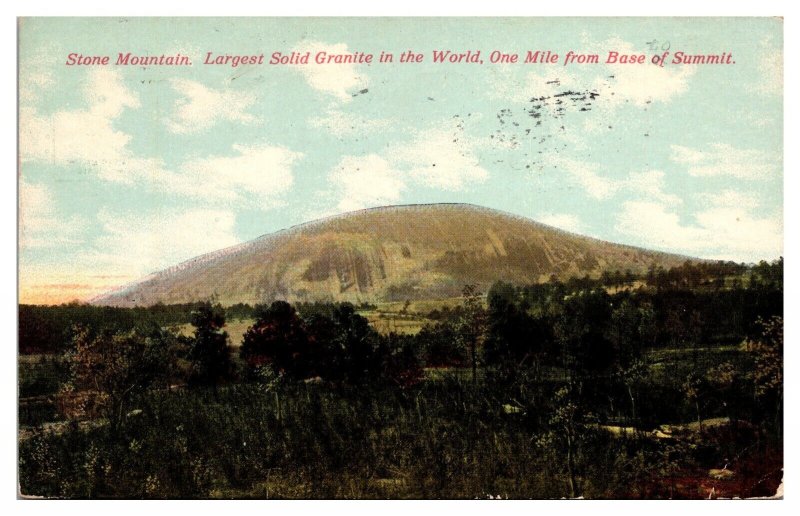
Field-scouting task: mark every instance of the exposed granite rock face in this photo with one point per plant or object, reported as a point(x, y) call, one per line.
point(383, 254)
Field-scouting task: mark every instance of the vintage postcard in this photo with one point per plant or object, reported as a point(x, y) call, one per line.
point(459, 258)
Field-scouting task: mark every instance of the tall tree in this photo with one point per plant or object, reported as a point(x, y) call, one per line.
point(209, 352)
point(278, 338)
point(472, 325)
point(768, 375)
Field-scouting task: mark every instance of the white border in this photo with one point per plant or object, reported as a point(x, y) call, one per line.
point(8, 435)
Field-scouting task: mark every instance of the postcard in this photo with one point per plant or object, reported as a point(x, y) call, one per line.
point(425, 258)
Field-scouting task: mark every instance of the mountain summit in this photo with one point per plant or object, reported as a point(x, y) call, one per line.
point(383, 254)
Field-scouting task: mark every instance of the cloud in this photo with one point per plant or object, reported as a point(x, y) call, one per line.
point(716, 232)
point(36, 71)
point(340, 123)
point(364, 181)
point(730, 199)
point(650, 185)
point(59, 282)
point(584, 174)
point(85, 136)
point(39, 226)
point(135, 245)
point(721, 159)
point(638, 84)
point(257, 174)
point(770, 68)
point(565, 221)
point(440, 157)
point(201, 107)
point(338, 80)
point(129, 247)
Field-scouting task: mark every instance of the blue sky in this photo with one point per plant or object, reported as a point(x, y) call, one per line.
point(127, 170)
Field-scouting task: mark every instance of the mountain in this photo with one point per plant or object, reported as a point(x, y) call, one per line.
point(385, 254)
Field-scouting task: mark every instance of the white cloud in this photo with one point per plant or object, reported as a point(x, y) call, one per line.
point(717, 232)
point(86, 136)
point(257, 174)
point(340, 123)
point(650, 185)
point(770, 67)
point(200, 107)
point(338, 80)
point(730, 199)
point(39, 227)
point(721, 159)
point(36, 72)
point(441, 157)
point(585, 175)
point(133, 245)
point(565, 221)
point(364, 181)
point(638, 84)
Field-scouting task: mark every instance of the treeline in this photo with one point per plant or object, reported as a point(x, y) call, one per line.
point(512, 341)
point(48, 329)
point(710, 302)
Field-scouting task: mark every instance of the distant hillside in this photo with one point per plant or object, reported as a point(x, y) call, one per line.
point(383, 254)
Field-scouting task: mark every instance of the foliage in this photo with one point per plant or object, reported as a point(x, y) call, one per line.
point(209, 352)
point(109, 370)
point(277, 338)
point(768, 349)
point(593, 387)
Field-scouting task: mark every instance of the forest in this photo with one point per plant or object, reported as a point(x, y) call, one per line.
point(667, 384)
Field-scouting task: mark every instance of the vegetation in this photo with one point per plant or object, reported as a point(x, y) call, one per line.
point(668, 385)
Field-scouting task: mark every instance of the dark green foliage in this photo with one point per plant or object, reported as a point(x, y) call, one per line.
point(515, 340)
point(353, 348)
point(49, 329)
point(442, 345)
point(278, 339)
point(209, 352)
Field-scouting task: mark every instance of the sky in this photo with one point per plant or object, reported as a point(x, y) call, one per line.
point(126, 170)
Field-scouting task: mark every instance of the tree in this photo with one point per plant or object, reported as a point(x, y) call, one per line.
point(401, 362)
point(355, 343)
point(581, 330)
point(110, 369)
point(768, 374)
point(209, 352)
point(768, 350)
point(632, 377)
point(514, 339)
point(692, 387)
point(624, 334)
point(472, 325)
point(278, 337)
point(441, 344)
point(345, 347)
point(722, 378)
point(567, 430)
